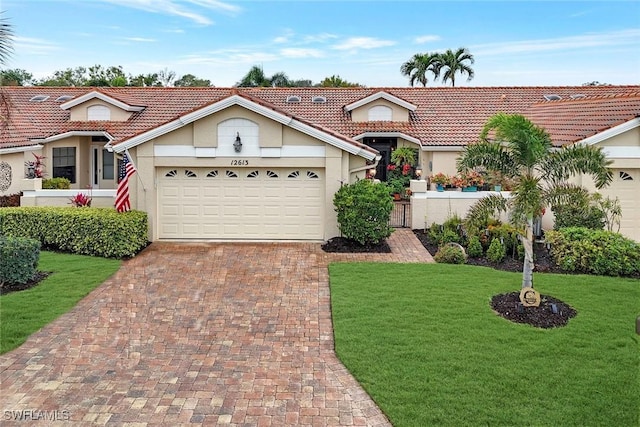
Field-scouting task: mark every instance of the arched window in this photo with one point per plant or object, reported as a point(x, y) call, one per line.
point(380, 113)
point(98, 112)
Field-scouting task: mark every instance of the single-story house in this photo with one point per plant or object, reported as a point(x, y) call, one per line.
point(298, 146)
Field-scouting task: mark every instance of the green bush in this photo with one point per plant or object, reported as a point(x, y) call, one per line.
point(96, 231)
point(509, 235)
point(18, 259)
point(575, 216)
point(496, 251)
point(451, 253)
point(600, 252)
point(56, 184)
point(364, 209)
point(474, 249)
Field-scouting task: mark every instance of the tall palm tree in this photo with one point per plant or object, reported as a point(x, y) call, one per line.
point(6, 49)
point(451, 62)
point(514, 146)
point(6, 40)
point(419, 65)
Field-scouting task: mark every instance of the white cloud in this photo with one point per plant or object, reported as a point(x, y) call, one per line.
point(140, 39)
point(319, 38)
point(301, 53)
point(426, 39)
point(363, 43)
point(184, 8)
point(616, 38)
point(34, 46)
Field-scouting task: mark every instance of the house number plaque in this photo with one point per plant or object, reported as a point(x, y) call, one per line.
point(237, 162)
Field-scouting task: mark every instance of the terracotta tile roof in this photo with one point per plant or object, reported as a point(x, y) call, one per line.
point(443, 117)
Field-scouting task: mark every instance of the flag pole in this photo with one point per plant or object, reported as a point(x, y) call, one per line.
point(126, 150)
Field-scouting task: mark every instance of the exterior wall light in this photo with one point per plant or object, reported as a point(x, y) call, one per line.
point(237, 145)
point(372, 173)
point(419, 172)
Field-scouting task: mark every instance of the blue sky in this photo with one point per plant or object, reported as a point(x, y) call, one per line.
point(515, 43)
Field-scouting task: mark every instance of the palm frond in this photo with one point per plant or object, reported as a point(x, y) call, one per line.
point(560, 165)
point(488, 207)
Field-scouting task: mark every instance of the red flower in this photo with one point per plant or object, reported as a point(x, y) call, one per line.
point(391, 167)
point(406, 168)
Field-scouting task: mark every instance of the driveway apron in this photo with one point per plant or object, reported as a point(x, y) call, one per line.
point(197, 333)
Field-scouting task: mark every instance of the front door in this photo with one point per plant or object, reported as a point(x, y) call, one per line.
point(384, 146)
point(102, 168)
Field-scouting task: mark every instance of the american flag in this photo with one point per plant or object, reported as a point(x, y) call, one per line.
point(122, 194)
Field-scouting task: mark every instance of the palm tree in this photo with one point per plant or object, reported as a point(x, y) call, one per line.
point(255, 77)
point(520, 150)
point(419, 65)
point(6, 40)
point(6, 49)
point(455, 62)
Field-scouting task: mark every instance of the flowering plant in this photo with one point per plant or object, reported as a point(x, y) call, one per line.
point(34, 167)
point(81, 200)
point(474, 178)
point(440, 178)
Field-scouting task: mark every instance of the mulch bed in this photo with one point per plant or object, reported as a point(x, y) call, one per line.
point(7, 288)
point(343, 245)
point(508, 305)
point(543, 316)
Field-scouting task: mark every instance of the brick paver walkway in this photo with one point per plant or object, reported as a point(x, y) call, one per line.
point(197, 334)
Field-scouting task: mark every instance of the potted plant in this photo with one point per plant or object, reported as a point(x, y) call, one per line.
point(440, 180)
point(472, 180)
point(397, 187)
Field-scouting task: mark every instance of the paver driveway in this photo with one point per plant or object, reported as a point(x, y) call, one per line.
point(207, 333)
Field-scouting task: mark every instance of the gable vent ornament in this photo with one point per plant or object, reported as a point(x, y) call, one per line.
point(237, 145)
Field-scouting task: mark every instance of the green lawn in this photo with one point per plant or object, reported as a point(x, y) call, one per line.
point(74, 276)
point(425, 344)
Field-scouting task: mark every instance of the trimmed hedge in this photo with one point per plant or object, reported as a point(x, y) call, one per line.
point(18, 259)
point(364, 209)
point(90, 231)
point(56, 184)
point(600, 252)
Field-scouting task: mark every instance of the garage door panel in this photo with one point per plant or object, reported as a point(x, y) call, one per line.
point(267, 203)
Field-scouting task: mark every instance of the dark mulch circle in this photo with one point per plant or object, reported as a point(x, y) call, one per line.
point(7, 288)
point(344, 245)
point(543, 316)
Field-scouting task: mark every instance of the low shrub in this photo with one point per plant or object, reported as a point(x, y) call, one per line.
point(589, 216)
point(18, 259)
point(600, 252)
point(474, 248)
point(56, 184)
point(451, 253)
point(497, 251)
point(97, 231)
point(364, 209)
point(11, 200)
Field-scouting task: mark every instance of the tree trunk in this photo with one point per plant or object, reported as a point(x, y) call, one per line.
point(528, 265)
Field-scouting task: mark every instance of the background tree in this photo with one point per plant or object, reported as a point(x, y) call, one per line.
point(189, 80)
point(144, 80)
point(419, 66)
point(166, 77)
point(15, 77)
point(255, 77)
point(450, 63)
point(515, 147)
point(337, 81)
point(279, 79)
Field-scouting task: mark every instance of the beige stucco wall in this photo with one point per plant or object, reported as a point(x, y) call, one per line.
point(444, 161)
point(18, 170)
point(79, 112)
point(398, 113)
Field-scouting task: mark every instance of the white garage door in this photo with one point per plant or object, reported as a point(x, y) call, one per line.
point(626, 186)
point(221, 203)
